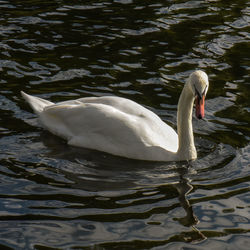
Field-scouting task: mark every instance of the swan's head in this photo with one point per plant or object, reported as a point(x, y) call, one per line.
point(198, 81)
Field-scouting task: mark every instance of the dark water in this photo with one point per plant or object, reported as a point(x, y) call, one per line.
point(53, 196)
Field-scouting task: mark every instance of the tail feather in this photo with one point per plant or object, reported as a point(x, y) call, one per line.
point(36, 103)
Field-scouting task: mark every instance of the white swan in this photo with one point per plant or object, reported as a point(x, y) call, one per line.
point(122, 127)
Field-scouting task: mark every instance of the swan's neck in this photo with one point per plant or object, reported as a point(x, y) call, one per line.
point(186, 149)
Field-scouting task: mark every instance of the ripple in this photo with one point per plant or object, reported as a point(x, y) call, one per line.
point(140, 32)
point(62, 76)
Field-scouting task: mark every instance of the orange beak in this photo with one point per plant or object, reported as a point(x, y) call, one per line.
point(199, 106)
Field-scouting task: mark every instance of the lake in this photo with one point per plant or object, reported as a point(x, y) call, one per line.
point(53, 196)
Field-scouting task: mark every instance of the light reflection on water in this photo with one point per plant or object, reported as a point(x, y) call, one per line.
point(53, 195)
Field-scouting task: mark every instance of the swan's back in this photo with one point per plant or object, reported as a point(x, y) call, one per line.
point(122, 104)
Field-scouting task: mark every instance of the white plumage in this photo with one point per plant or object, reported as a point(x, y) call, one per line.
point(117, 125)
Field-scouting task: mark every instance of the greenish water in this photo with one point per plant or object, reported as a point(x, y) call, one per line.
point(53, 196)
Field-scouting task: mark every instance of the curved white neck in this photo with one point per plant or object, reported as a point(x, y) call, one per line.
point(186, 149)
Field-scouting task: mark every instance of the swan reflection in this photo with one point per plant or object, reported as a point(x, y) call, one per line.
point(184, 187)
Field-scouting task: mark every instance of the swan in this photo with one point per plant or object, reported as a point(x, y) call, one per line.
point(123, 127)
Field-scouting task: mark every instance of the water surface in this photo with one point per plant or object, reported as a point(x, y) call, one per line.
point(53, 196)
